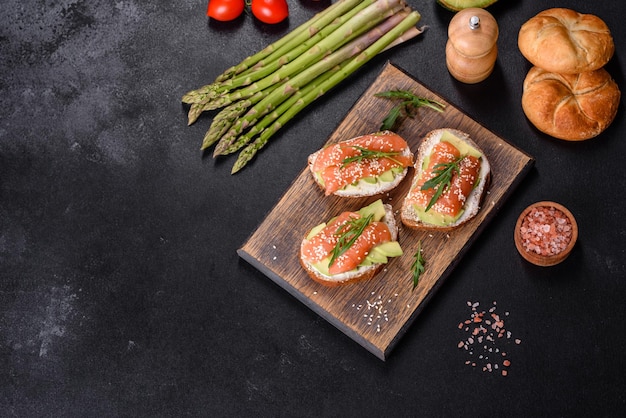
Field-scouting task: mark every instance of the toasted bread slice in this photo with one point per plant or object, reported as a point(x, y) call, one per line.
point(364, 271)
point(357, 180)
point(417, 219)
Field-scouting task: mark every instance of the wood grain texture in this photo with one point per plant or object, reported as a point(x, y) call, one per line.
point(376, 313)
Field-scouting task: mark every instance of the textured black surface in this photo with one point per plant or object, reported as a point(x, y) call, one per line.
point(121, 293)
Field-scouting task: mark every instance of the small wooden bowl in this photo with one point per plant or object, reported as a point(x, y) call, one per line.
point(537, 258)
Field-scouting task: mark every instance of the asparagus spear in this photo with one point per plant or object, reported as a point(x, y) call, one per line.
point(226, 117)
point(297, 35)
point(194, 112)
point(277, 96)
point(294, 50)
point(277, 51)
point(355, 63)
point(348, 9)
point(373, 13)
point(281, 56)
point(272, 116)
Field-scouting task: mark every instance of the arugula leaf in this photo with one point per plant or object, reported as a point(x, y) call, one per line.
point(419, 265)
point(390, 120)
point(369, 154)
point(410, 103)
point(441, 180)
point(348, 233)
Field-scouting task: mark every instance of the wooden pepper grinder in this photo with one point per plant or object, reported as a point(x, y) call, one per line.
point(471, 50)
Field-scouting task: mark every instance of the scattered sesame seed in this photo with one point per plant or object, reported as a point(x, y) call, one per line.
point(375, 313)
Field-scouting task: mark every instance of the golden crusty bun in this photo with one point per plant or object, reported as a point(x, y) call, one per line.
point(573, 107)
point(565, 41)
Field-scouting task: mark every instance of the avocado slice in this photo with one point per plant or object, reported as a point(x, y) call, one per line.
point(385, 177)
point(322, 266)
point(377, 255)
point(434, 218)
point(315, 230)
point(463, 147)
point(377, 208)
point(456, 5)
point(388, 249)
point(374, 258)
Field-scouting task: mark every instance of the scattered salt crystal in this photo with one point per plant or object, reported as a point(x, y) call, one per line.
point(483, 341)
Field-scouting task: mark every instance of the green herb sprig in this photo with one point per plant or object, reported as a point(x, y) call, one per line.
point(443, 173)
point(407, 107)
point(419, 265)
point(348, 234)
point(368, 154)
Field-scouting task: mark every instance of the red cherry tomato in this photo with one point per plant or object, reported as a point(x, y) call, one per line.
point(225, 10)
point(270, 11)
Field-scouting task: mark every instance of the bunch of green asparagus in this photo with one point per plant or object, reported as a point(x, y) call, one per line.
point(263, 92)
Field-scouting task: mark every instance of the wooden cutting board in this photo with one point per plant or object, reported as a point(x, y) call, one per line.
point(376, 313)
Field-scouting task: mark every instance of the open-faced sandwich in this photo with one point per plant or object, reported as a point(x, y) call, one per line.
point(352, 246)
point(363, 166)
point(451, 177)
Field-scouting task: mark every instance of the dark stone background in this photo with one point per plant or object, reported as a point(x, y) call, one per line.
point(121, 293)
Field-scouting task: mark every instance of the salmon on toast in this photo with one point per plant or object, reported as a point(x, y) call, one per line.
point(362, 166)
point(451, 177)
point(352, 246)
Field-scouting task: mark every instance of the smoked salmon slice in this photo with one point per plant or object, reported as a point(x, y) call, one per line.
point(451, 202)
point(321, 246)
point(338, 167)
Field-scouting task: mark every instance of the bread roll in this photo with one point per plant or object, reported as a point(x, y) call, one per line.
point(565, 41)
point(572, 107)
